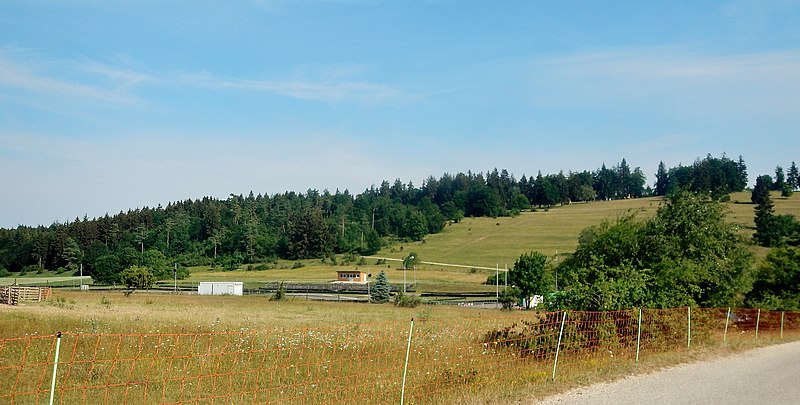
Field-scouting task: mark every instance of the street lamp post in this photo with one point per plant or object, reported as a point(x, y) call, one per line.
point(409, 259)
point(497, 282)
point(369, 294)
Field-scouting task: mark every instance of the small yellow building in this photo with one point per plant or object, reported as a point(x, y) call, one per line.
point(352, 276)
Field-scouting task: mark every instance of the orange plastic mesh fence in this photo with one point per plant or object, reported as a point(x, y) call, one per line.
point(450, 359)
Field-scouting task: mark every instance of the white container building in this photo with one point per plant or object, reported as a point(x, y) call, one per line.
point(221, 288)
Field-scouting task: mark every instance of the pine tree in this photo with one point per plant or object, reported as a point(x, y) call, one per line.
point(380, 292)
point(761, 190)
point(742, 180)
point(780, 179)
point(662, 180)
point(764, 220)
point(793, 177)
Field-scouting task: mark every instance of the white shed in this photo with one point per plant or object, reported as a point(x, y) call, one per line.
point(220, 288)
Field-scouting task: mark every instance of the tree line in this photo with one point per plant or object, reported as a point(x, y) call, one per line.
point(262, 228)
point(688, 254)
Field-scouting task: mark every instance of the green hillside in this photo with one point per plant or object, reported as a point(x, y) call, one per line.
point(489, 242)
point(482, 242)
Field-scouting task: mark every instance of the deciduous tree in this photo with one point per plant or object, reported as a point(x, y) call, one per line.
point(137, 278)
point(531, 275)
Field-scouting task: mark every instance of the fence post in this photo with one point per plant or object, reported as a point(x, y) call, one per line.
point(689, 337)
point(558, 347)
point(639, 336)
point(782, 313)
point(727, 319)
point(55, 368)
point(405, 367)
point(758, 320)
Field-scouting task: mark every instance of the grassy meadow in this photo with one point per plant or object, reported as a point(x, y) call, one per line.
point(248, 349)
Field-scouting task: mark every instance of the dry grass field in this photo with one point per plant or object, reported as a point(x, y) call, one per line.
point(449, 362)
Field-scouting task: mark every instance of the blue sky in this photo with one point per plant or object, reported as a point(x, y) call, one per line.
point(111, 105)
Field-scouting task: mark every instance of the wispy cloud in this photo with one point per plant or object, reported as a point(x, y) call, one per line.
point(324, 90)
point(96, 82)
point(73, 81)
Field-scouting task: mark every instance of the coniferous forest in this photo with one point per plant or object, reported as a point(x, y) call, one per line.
point(259, 227)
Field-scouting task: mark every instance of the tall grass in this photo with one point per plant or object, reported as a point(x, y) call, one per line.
point(158, 348)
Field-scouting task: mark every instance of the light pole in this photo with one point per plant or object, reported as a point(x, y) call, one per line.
point(555, 269)
point(497, 282)
point(175, 274)
point(369, 295)
point(409, 259)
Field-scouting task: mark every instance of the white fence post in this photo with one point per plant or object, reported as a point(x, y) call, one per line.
point(639, 336)
point(758, 321)
point(689, 337)
point(727, 319)
point(55, 368)
point(405, 368)
point(558, 347)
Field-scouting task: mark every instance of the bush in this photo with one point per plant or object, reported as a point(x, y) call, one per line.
point(406, 300)
point(280, 293)
point(136, 277)
point(509, 297)
point(534, 337)
point(4, 272)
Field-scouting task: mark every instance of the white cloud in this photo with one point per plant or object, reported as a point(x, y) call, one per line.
point(325, 90)
point(69, 80)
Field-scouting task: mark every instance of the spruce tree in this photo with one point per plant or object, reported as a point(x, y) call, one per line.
point(780, 179)
point(760, 192)
point(764, 219)
point(380, 292)
point(793, 177)
point(662, 180)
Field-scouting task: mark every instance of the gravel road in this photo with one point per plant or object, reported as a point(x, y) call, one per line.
point(770, 375)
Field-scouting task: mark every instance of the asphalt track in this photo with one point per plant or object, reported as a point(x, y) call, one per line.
point(769, 375)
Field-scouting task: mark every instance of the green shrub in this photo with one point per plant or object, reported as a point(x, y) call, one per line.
point(509, 297)
point(280, 293)
point(406, 300)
